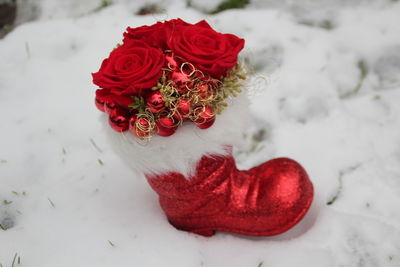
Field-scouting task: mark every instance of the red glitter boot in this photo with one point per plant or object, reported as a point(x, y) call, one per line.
point(173, 94)
point(266, 200)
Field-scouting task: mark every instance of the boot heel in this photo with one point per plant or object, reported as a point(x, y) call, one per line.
point(204, 232)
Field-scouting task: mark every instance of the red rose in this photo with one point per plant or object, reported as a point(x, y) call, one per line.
point(105, 95)
point(154, 35)
point(130, 68)
point(208, 50)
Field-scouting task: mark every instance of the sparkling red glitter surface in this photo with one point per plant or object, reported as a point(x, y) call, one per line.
point(265, 200)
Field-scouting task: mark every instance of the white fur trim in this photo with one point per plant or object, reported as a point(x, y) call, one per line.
point(181, 151)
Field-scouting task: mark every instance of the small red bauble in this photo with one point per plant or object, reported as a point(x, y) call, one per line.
point(206, 118)
point(142, 127)
point(184, 107)
point(99, 104)
point(166, 126)
point(155, 102)
point(118, 120)
point(203, 88)
point(132, 122)
point(109, 107)
point(204, 91)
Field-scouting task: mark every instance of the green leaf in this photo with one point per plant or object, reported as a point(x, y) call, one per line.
point(6, 202)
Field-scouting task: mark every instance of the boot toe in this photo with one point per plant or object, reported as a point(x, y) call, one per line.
point(285, 195)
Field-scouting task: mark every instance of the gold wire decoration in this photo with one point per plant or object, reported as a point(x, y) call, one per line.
point(214, 97)
point(146, 129)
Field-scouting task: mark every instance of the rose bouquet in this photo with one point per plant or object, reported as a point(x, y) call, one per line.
point(168, 73)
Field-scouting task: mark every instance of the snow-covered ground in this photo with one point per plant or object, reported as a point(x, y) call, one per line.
point(326, 92)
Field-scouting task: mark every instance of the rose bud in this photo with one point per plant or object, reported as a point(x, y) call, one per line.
point(166, 126)
point(183, 109)
point(118, 120)
point(180, 79)
point(155, 102)
point(205, 118)
point(172, 64)
point(109, 106)
point(99, 104)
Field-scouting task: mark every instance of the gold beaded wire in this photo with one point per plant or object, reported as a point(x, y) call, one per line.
point(216, 95)
point(149, 118)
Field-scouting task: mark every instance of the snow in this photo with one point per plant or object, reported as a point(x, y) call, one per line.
point(326, 96)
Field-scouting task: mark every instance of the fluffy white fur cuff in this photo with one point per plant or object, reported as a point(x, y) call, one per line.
point(181, 151)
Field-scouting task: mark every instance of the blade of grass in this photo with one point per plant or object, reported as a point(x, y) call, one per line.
point(13, 262)
point(95, 145)
point(51, 203)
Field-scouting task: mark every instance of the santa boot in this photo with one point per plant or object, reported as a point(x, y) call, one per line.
point(162, 90)
point(200, 188)
point(265, 200)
